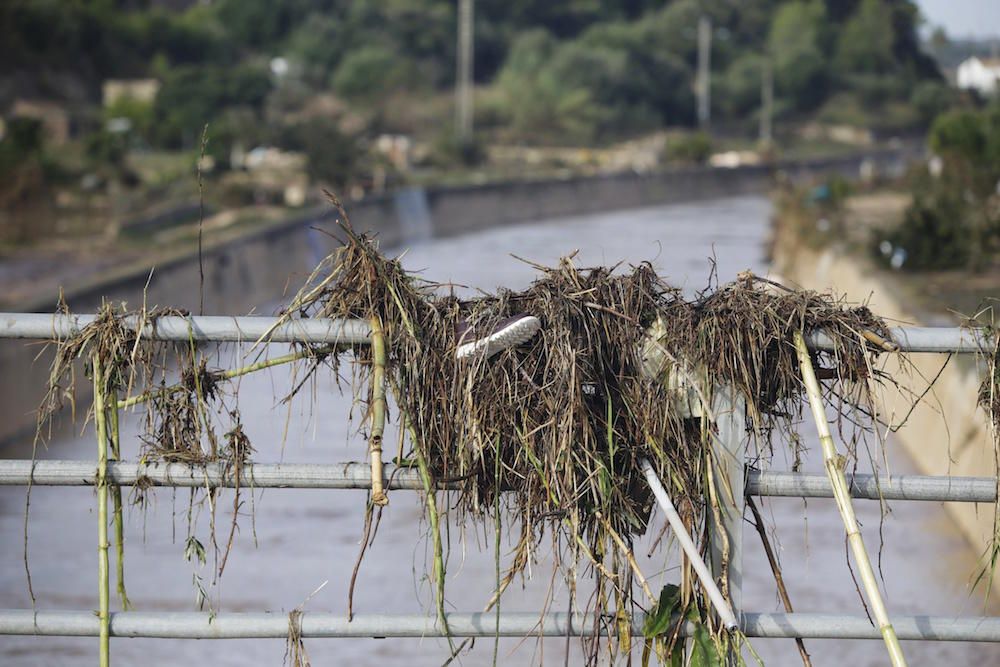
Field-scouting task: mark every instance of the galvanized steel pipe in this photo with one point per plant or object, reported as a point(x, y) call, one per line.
point(214, 328)
point(250, 329)
point(201, 625)
point(895, 487)
point(920, 339)
point(350, 475)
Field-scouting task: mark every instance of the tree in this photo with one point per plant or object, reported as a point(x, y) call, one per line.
point(261, 23)
point(800, 65)
point(371, 72)
point(318, 45)
point(333, 155)
point(930, 99)
point(193, 96)
point(740, 86)
point(540, 103)
point(866, 42)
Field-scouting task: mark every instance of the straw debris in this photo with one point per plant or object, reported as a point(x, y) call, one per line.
point(560, 425)
point(549, 436)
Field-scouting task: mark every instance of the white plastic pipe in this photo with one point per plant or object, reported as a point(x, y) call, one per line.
point(667, 505)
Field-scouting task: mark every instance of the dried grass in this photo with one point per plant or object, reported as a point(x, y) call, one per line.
point(547, 436)
point(559, 425)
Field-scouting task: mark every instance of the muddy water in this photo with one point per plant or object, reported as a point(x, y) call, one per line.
point(302, 541)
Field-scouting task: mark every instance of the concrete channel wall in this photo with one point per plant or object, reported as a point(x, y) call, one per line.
point(268, 263)
point(946, 434)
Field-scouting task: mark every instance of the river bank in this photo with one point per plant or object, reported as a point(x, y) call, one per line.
point(947, 433)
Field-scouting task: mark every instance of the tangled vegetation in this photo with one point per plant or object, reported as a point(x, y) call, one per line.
point(548, 437)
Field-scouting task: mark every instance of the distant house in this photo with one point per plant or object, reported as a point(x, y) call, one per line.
point(981, 74)
point(139, 90)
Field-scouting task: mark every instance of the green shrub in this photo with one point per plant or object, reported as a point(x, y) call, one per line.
point(193, 96)
point(22, 141)
point(140, 114)
point(333, 156)
point(932, 236)
point(449, 151)
point(801, 68)
point(370, 73)
point(930, 99)
point(692, 148)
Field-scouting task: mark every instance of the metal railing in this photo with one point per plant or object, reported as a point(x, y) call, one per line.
point(203, 625)
point(225, 329)
point(358, 476)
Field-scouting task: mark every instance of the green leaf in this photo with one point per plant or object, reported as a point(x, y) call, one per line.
point(658, 620)
point(703, 650)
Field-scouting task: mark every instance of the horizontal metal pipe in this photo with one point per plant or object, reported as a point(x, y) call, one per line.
point(201, 625)
point(921, 339)
point(895, 487)
point(346, 475)
point(216, 328)
point(250, 329)
point(350, 475)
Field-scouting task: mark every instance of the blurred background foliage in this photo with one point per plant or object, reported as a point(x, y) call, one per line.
point(330, 79)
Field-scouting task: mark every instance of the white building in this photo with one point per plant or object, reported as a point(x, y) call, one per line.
point(982, 74)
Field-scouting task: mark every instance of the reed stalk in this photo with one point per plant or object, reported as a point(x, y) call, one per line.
point(436, 543)
point(772, 560)
point(116, 499)
point(223, 375)
point(377, 411)
point(104, 601)
point(833, 463)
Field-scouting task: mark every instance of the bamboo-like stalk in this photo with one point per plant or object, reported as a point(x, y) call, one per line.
point(104, 601)
point(378, 411)
point(833, 463)
point(116, 499)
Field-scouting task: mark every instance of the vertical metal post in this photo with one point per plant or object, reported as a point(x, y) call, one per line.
point(463, 83)
point(704, 71)
point(730, 415)
point(766, 99)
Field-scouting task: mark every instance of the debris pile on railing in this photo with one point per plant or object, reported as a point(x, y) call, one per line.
point(549, 436)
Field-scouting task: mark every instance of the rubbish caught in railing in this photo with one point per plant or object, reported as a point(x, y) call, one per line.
point(569, 426)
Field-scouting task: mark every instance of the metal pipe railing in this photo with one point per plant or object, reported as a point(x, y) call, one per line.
point(225, 625)
point(250, 329)
point(895, 487)
point(922, 339)
point(351, 475)
point(358, 476)
point(214, 328)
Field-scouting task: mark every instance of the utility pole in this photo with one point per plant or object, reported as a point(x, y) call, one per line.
point(766, 100)
point(703, 84)
point(463, 75)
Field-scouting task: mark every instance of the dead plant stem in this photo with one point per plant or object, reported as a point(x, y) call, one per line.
point(377, 411)
point(776, 571)
point(835, 471)
point(116, 499)
point(223, 375)
point(438, 570)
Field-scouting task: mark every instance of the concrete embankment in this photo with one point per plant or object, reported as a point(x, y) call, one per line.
point(947, 432)
point(261, 266)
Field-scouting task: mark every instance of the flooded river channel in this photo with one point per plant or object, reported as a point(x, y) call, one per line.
point(301, 548)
